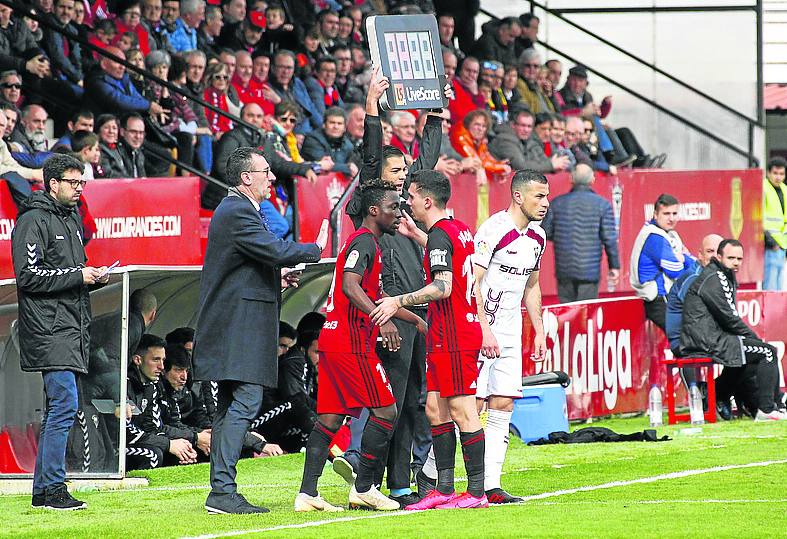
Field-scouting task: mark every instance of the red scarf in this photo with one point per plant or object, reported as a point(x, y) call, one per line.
point(331, 96)
point(218, 123)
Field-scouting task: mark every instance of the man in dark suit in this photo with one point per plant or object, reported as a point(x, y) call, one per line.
point(237, 330)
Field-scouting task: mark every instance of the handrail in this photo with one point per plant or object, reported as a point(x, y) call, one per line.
point(753, 161)
point(335, 217)
point(24, 10)
point(156, 150)
point(557, 13)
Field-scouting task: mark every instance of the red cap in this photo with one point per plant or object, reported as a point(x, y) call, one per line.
point(214, 2)
point(257, 18)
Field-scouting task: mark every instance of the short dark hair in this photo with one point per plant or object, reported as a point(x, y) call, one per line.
point(373, 192)
point(776, 162)
point(324, 60)
point(57, 165)
point(176, 356)
point(433, 184)
point(239, 161)
point(283, 107)
point(558, 118)
point(310, 321)
point(148, 340)
point(525, 18)
point(729, 241)
point(180, 336)
point(665, 200)
point(142, 301)
point(82, 139)
point(543, 117)
point(88, 115)
point(519, 111)
point(286, 330)
point(390, 152)
point(335, 112)
point(103, 119)
point(523, 177)
point(129, 116)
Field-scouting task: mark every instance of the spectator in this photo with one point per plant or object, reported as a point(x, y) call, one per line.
point(84, 145)
point(127, 41)
point(110, 89)
point(135, 58)
point(28, 141)
point(290, 88)
point(130, 21)
point(11, 88)
point(557, 139)
point(355, 120)
point(65, 54)
point(249, 90)
point(532, 96)
point(498, 45)
point(281, 148)
point(328, 23)
point(18, 177)
point(130, 146)
point(466, 89)
point(589, 145)
point(151, 442)
point(112, 163)
point(81, 120)
point(322, 86)
point(309, 52)
point(517, 142)
point(573, 141)
point(260, 67)
point(445, 29)
point(403, 124)
point(543, 127)
point(712, 326)
point(53, 283)
point(577, 100)
point(510, 79)
point(331, 141)
point(774, 223)
point(463, 12)
point(12, 117)
point(348, 90)
point(554, 72)
point(151, 21)
point(347, 31)
point(658, 255)
point(102, 36)
point(184, 37)
point(217, 82)
point(278, 33)
point(245, 35)
point(469, 139)
point(18, 35)
point(234, 11)
point(529, 36)
point(548, 89)
point(580, 223)
point(210, 30)
point(493, 73)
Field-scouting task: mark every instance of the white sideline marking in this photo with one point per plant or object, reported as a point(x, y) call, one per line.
point(589, 488)
point(659, 502)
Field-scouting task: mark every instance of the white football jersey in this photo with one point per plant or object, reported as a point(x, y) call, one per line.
point(509, 256)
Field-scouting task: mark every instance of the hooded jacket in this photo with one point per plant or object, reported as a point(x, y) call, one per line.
point(54, 305)
point(711, 324)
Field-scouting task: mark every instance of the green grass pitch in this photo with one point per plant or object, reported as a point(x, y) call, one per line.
point(729, 481)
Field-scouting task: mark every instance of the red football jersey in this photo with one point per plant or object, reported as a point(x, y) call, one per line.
point(347, 328)
point(453, 321)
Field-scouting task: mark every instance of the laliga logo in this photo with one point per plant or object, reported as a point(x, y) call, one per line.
point(595, 360)
point(422, 94)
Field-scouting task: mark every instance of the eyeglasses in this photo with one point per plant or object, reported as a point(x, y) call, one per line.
point(589, 130)
point(133, 14)
point(8, 86)
point(490, 65)
point(222, 77)
point(73, 182)
point(286, 68)
point(289, 120)
point(531, 65)
point(265, 171)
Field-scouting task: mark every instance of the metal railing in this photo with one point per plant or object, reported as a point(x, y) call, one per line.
point(752, 123)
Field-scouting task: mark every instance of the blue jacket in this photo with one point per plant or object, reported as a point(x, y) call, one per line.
point(104, 93)
point(69, 67)
point(316, 146)
point(675, 303)
point(312, 118)
point(317, 95)
point(655, 259)
point(579, 223)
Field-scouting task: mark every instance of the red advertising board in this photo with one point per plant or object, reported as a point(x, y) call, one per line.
point(150, 221)
point(610, 351)
point(315, 202)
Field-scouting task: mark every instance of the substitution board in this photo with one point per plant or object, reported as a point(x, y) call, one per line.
point(407, 47)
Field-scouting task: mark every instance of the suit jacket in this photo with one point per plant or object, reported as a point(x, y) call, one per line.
point(238, 318)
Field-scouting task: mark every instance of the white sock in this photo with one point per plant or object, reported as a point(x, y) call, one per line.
point(430, 466)
point(496, 445)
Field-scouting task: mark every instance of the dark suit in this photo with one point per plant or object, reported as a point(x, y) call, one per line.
point(237, 325)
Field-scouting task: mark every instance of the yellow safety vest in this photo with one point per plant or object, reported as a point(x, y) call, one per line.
point(774, 218)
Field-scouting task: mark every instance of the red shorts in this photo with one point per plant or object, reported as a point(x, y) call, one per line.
point(348, 383)
point(452, 373)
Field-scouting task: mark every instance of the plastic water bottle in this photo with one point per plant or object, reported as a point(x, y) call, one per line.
point(695, 405)
point(655, 411)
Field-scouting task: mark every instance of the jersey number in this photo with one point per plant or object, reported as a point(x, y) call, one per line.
point(467, 273)
point(329, 305)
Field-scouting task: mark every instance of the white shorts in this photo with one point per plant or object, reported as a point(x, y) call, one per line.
point(501, 376)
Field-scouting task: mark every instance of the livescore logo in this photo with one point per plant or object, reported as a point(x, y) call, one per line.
point(404, 95)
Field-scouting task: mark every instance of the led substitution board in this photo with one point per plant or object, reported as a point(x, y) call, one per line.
point(408, 49)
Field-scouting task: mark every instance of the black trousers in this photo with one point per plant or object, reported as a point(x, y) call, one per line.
point(656, 312)
point(403, 372)
point(569, 290)
point(756, 382)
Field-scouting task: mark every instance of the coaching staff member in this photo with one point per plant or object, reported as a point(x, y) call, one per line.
point(54, 314)
point(237, 326)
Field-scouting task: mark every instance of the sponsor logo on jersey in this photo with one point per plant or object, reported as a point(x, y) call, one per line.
point(511, 252)
point(437, 257)
point(330, 325)
point(482, 248)
point(513, 270)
